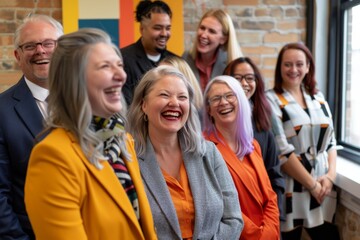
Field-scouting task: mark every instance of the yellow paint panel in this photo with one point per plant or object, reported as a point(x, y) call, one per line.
point(95, 9)
point(70, 15)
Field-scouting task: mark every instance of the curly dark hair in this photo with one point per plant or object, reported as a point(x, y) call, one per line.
point(145, 8)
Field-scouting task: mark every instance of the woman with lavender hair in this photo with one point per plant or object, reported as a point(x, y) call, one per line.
point(228, 124)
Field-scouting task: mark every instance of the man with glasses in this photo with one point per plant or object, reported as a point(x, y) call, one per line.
point(22, 112)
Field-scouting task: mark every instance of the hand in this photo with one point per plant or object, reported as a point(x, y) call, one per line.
point(326, 184)
point(317, 192)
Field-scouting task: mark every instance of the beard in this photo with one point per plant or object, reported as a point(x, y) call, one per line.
point(160, 50)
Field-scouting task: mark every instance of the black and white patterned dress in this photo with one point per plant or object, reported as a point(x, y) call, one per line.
point(309, 133)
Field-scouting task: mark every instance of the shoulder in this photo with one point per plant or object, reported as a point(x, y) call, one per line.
point(187, 56)
point(319, 96)
point(8, 94)
point(169, 53)
point(270, 94)
point(131, 49)
point(58, 148)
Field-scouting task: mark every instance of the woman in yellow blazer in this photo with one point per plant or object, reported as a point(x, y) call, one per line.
point(83, 179)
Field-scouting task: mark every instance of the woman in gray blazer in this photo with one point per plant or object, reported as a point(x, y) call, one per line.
point(190, 190)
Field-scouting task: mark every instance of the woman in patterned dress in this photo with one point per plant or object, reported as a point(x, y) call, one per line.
point(304, 132)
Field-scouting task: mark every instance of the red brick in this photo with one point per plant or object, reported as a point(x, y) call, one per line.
point(8, 3)
point(291, 12)
point(7, 27)
point(260, 50)
point(275, 37)
point(56, 3)
point(242, 2)
point(6, 40)
point(258, 25)
point(270, 61)
point(280, 2)
point(57, 14)
point(25, 3)
point(7, 15)
point(249, 37)
point(44, 4)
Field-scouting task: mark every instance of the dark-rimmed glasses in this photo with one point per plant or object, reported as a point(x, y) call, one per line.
point(249, 78)
point(47, 44)
point(215, 100)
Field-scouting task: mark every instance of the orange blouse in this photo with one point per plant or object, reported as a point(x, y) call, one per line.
point(258, 201)
point(183, 201)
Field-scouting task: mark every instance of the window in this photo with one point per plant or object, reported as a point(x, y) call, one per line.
point(345, 36)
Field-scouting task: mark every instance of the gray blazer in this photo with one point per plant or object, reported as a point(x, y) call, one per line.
point(219, 65)
point(217, 209)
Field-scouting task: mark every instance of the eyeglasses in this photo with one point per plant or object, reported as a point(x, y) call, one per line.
point(215, 101)
point(48, 44)
point(249, 78)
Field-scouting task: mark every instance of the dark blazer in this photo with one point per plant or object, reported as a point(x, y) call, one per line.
point(217, 210)
point(267, 144)
point(136, 64)
point(21, 121)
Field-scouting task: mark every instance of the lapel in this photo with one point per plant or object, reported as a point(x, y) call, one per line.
point(27, 108)
point(142, 60)
point(219, 64)
point(233, 162)
point(107, 179)
point(155, 182)
point(194, 166)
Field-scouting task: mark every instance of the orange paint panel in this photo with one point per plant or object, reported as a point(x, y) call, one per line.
point(126, 24)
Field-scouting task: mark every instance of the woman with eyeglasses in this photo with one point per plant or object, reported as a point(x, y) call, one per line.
point(247, 73)
point(227, 123)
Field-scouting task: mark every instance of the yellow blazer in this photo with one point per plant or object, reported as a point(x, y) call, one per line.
point(66, 197)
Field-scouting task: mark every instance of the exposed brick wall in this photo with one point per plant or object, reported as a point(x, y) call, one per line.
point(263, 27)
point(11, 14)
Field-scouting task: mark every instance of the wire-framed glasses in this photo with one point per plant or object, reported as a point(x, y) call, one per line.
point(215, 100)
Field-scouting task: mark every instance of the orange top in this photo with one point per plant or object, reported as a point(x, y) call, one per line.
point(183, 201)
point(258, 201)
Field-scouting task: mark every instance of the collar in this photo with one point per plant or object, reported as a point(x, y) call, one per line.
point(38, 92)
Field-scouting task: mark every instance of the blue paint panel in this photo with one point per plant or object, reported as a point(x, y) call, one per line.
point(111, 26)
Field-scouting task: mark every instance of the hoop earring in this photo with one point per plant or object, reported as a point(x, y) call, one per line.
point(145, 118)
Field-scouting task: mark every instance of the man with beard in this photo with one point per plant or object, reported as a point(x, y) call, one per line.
point(155, 25)
point(22, 112)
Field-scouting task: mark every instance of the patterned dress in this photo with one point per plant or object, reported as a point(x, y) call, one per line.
point(309, 133)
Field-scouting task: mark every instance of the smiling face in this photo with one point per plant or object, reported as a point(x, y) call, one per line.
point(35, 63)
point(167, 105)
point(105, 77)
point(155, 32)
point(224, 114)
point(209, 36)
point(294, 67)
point(240, 71)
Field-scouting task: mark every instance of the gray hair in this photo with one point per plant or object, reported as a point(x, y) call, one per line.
point(190, 135)
point(69, 105)
point(37, 18)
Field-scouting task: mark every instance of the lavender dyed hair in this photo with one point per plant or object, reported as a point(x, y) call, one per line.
point(244, 131)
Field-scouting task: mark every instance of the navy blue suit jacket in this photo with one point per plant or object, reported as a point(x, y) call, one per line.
point(20, 122)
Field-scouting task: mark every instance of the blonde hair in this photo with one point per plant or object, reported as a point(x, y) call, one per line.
point(185, 69)
point(231, 46)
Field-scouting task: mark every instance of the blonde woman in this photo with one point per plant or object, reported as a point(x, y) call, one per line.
point(215, 45)
point(185, 69)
